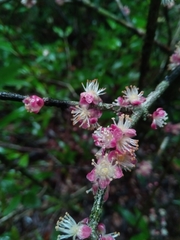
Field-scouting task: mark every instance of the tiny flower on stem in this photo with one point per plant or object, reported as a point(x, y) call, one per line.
point(103, 137)
point(104, 172)
point(33, 103)
point(132, 96)
point(159, 118)
point(144, 168)
point(92, 93)
point(125, 160)
point(175, 58)
point(122, 134)
point(102, 233)
point(85, 116)
point(70, 228)
point(172, 128)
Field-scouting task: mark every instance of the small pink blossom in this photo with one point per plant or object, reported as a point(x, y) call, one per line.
point(126, 10)
point(70, 228)
point(104, 138)
point(159, 118)
point(144, 168)
point(172, 128)
point(92, 93)
point(102, 233)
point(124, 124)
point(85, 116)
point(122, 134)
point(126, 161)
point(33, 103)
point(122, 103)
point(104, 172)
point(175, 58)
point(132, 96)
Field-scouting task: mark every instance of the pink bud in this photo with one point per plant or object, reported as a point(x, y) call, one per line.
point(33, 103)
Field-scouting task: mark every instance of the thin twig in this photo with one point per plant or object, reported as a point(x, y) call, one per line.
point(149, 39)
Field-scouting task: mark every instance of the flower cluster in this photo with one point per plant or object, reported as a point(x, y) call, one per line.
point(116, 142)
point(117, 151)
point(86, 114)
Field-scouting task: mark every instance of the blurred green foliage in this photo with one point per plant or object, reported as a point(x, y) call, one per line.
point(49, 50)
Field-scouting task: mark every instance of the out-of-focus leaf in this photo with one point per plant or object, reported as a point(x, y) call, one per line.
point(140, 236)
point(12, 204)
point(59, 31)
point(8, 75)
point(14, 233)
point(24, 160)
point(31, 200)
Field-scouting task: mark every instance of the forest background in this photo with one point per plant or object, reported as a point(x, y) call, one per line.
point(49, 49)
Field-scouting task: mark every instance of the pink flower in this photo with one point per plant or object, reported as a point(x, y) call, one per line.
point(122, 134)
point(102, 231)
point(33, 103)
point(104, 138)
point(126, 10)
point(92, 93)
point(175, 58)
point(124, 125)
point(104, 172)
point(124, 160)
point(159, 118)
point(172, 128)
point(144, 168)
point(86, 117)
point(70, 228)
point(132, 96)
point(120, 101)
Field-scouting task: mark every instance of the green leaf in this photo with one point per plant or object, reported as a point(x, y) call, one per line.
point(12, 205)
point(31, 200)
point(6, 46)
point(59, 32)
point(8, 74)
point(176, 202)
point(68, 31)
point(130, 218)
point(24, 160)
point(140, 236)
point(14, 233)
